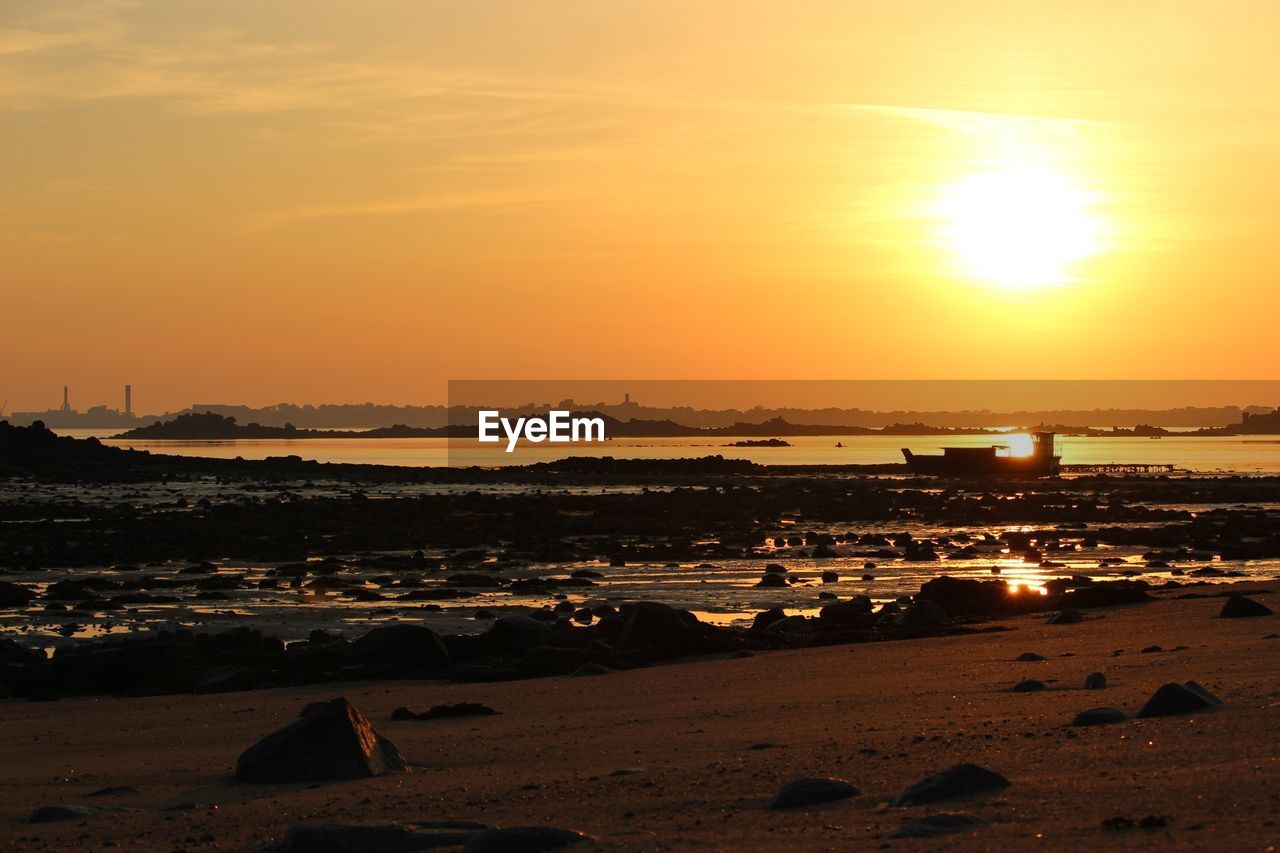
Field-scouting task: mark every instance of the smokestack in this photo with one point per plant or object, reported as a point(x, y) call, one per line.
point(128, 401)
point(66, 400)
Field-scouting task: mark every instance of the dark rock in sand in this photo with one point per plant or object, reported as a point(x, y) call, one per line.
point(335, 741)
point(968, 597)
point(848, 614)
point(589, 669)
point(348, 838)
point(14, 595)
point(1172, 699)
point(775, 569)
point(1099, 717)
point(659, 628)
point(958, 781)
point(443, 712)
point(1029, 657)
point(55, 813)
point(1237, 606)
point(943, 823)
point(922, 615)
point(1068, 616)
point(773, 581)
point(811, 792)
point(765, 618)
point(511, 636)
point(1109, 594)
point(523, 839)
point(1030, 685)
point(1095, 681)
point(830, 577)
point(412, 646)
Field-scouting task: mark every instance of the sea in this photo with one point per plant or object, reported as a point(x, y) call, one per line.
point(1249, 455)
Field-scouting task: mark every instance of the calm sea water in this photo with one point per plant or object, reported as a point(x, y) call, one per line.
point(1246, 455)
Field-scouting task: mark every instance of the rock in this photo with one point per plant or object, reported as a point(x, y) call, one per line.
point(1095, 681)
point(411, 646)
point(335, 741)
point(775, 569)
point(1109, 594)
point(55, 813)
point(1172, 699)
point(773, 581)
point(958, 781)
point(522, 839)
point(658, 628)
point(1029, 657)
point(968, 597)
point(1237, 607)
point(512, 636)
point(1067, 616)
point(942, 823)
point(812, 792)
point(15, 595)
point(830, 577)
point(591, 669)
point(1099, 717)
point(443, 712)
point(848, 614)
point(765, 618)
point(1030, 685)
point(922, 614)
point(348, 838)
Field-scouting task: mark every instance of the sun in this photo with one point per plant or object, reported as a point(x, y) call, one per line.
point(1019, 227)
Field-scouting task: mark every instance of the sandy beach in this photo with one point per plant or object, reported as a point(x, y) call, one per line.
point(688, 754)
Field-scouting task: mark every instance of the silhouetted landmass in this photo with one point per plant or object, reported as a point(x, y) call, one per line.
point(1266, 423)
point(210, 426)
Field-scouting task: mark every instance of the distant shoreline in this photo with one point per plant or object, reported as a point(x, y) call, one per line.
point(214, 427)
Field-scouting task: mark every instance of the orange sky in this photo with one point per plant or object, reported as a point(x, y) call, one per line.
point(227, 201)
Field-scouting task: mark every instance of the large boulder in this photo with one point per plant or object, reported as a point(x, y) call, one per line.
point(392, 838)
point(847, 614)
point(1099, 717)
point(1172, 699)
point(812, 792)
point(969, 597)
point(659, 628)
point(15, 595)
point(512, 636)
point(523, 839)
point(923, 615)
point(411, 646)
point(959, 781)
point(1108, 594)
point(332, 741)
point(1237, 607)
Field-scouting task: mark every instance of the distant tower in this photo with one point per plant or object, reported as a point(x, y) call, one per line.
point(128, 401)
point(66, 400)
point(626, 399)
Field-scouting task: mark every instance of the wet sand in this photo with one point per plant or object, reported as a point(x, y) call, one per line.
point(880, 715)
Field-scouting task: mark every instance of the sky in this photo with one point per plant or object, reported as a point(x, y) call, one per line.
point(325, 201)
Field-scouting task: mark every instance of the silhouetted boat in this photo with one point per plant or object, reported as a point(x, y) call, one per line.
point(992, 461)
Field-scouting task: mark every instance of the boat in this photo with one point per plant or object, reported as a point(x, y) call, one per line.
point(992, 461)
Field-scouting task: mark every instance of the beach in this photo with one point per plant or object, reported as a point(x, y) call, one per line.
point(688, 754)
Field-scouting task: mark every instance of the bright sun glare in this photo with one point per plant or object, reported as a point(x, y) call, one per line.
point(1020, 227)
